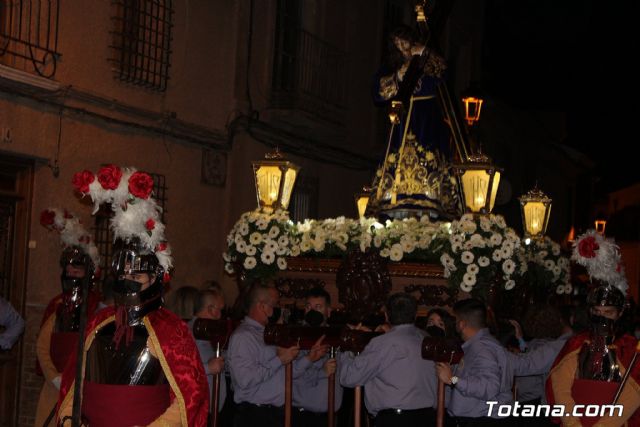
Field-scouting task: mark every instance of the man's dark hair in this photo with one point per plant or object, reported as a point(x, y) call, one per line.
point(402, 308)
point(258, 293)
point(318, 292)
point(473, 311)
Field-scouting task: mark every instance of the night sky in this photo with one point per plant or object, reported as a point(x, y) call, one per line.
point(576, 57)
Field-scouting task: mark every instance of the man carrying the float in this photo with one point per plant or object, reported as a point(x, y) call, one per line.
point(138, 357)
point(590, 368)
point(58, 336)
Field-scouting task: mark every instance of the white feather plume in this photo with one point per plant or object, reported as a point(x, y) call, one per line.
point(73, 233)
point(606, 265)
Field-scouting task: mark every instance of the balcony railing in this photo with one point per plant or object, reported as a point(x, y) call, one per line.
point(29, 35)
point(309, 74)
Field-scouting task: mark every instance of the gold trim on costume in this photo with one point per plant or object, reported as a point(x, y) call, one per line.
point(167, 370)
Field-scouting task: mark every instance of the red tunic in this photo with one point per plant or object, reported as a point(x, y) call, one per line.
point(179, 358)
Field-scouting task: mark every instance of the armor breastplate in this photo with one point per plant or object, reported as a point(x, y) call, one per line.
point(127, 365)
point(68, 312)
point(597, 360)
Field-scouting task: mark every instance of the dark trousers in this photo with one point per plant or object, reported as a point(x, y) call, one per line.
point(425, 417)
point(483, 422)
point(250, 415)
point(302, 418)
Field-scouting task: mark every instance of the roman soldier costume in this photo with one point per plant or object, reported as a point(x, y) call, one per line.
point(138, 357)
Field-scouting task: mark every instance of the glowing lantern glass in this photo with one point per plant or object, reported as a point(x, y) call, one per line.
point(536, 209)
point(274, 177)
point(472, 109)
point(362, 201)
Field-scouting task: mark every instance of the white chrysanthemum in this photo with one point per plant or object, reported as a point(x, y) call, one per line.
point(283, 240)
point(467, 257)
point(229, 268)
point(244, 229)
point(274, 231)
point(318, 245)
point(496, 255)
point(568, 288)
point(508, 267)
point(483, 261)
point(549, 264)
point(241, 246)
point(238, 239)
point(408, 247)
point(305, 246)
point(262, 224)
point(255, 238)
point(466, 288)
point(473, 269)
point(468, 227)
point(250, 250)
point(469, 279)
point(499, 221)
point(506, 252)
point(467, 218)
point(282, 263)
point(485, 224)
point(446, 260)
point(563, 262)
point(226, 257)
point(456, 238)
point(456, 247)
point(270, 245)
point(555, 249)
point(395, 253)
point(447, 273)
point(249, 263)
point(495, 239)
point(377, 241)
point(267, 257)
point(510, 284)
point(282, 250)
point(477, 241)
point(384, 253)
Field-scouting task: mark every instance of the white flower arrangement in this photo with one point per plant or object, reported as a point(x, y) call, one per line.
point(480, 250)
point(548, 269)
point(259, 244)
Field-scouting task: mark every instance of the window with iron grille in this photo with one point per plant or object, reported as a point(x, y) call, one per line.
point(29, 35)
point(142, 42)
point(103, 236)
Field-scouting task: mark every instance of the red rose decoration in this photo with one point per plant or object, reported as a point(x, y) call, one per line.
point(140, 185)
point(588, 247)
point(81, 180)
point(47, 217)
point(109, 177)
point(166, 278)
point(150, 224)
point(161, 247)
point(67, 215)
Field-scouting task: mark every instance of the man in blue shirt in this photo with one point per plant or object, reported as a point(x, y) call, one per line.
point(209, 305)
point(258, 370)
point(400, 386)
point(13, 325)
point(310, 390)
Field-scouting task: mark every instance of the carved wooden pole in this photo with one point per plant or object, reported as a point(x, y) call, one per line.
point(357, 401)
point(331, 401)
point(440, 411)
point(288, 378)
point(213, 407)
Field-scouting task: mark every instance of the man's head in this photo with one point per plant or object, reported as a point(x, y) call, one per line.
point(317, 300)
point(471, 316)
point(262, 303)
point(402, 308)
point(210, 304)
point(606, 301)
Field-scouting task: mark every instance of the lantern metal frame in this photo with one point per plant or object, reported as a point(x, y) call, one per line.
point(276, 159)
point(535, 196)
point(479, 162)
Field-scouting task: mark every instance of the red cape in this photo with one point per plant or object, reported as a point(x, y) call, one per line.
point(180, 352)
point(626, 348)
point(52, 307)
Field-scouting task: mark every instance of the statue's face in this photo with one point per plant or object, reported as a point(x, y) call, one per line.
point(403, 46)
point(435, 320)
